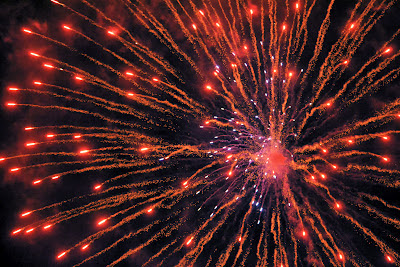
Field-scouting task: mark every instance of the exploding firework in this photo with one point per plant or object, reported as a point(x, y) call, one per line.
point(212, 133)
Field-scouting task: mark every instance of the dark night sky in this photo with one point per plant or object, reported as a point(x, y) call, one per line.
point(13, 15)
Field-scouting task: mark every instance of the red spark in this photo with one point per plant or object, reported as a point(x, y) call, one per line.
point(14, 170)
point(47, 226)
point(34, 54)
point(13, 89)
point(67, 27)
point(389, 259)
point(129, 73)
point(194, 26)
point(78, 78)
point(387, 50)
point(29, 230)
point(11, 104)
point(85, 151)
point(189, 241)
point(85, 247)
point(55, 177)
point(37, 83)
point(30, 144)
point(50, 135)
point(27, 31)
point(144, 149)
point(97, 187)
point(37, 182)
point(28, 128)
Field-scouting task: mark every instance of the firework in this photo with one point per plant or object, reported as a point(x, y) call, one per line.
point(212, 133)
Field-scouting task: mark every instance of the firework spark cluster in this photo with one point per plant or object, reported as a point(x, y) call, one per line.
point(212, 133)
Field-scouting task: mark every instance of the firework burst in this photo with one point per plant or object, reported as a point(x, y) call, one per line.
point(212, 133)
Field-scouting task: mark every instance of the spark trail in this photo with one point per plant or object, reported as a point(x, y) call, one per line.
point(213, 133)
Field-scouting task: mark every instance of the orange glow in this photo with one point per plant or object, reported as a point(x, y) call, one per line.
point(350, 141)
point(194, 26)
point(304, 233)
point(334, 166)
point(14, 170)
point(185, 183)
point(149, 210)
point(129, 73)
point(218, 25)
point(11, 104)
point(50, 135)
point(352, 26)
point(324, 150)
point(85, 247)
point(240, 239)
point(313, 177)
point(155, 80)
point(78, 78)
point(84, 151)
point(30, 230)
point(297, 5)
point(245, 47)
point(251, 11)
point(66, 27)
point(208, 87)
point(111, 32)
point(55, 177)
point(97, 187)
point(2, 159)
point(230, 156)
point(385, 138)
point(323, 176)
point(284, 27)
point(37, 182)
point(144, 149)
point(28, 128)
point(12, 89)
point(233, 65)
point(34, 54)
point(201, 12)
point(230, 173)
point(131, 94)
point(56, 2)
point(389, 259)
point(345, 62)
point(37, 83)
point(385, 159)
point(338, 205)
point(102, 221)
point(61, 255)
point(290, 74)
point(47, 226)
point(328, 104)
point(77, 136)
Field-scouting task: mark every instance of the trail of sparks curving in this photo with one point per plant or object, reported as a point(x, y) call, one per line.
point(268, 177)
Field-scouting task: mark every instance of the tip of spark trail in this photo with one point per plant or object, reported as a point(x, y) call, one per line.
point(13, 89)
point(17, 231)
point(62, 254)
point(85, 247)
point(389, 258)
point(387, 50)
point(84, 151)
point(143, 149)
point(11, 104)
point(27, 30)
point(97, 187)
point(189, 241)
point(67, 27)
point(102, 222)
point(34, 54)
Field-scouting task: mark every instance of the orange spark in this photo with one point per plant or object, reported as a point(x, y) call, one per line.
point(201, 12)
point(47, 226)
point(84, 151)
point(144, 149)
point(48, 66)
point(17, 231)
point(26, 213)
point(78, 78)
point(85, 247)
point(389, 259)
point(12, 89)
point(27, 31)
point(66, 27)
point(61, 255)
point(55, 177)
point(251, 11)
point(149, 210)
point(28, 128)
point(155, 80)
point(111, 32)
point(194, 26)
point(387, 50)
point(50, 135)
point(34, 54)
point(385, 159)
point(284, 27)
point(14, 169)
point(129, 73)
point(37, 182)
point(37, 83)
point(189, 241)
point(97, 187)
point(30, 144)
point(77, 136)
point(11, 104)
point(208, 87)
point(30, 230)
point(101, 222)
